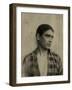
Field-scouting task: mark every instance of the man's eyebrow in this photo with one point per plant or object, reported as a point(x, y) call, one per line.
point(49, 35)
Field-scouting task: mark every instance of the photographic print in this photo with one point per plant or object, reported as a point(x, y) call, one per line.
point(39, 44)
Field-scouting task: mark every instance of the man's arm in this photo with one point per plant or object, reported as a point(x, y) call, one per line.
point(60, 66)
point(27, 66)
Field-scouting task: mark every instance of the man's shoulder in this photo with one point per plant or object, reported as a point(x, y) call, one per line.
point(29, 57)
point(55, 55)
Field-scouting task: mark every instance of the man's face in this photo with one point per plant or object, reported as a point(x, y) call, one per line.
point(46, 39)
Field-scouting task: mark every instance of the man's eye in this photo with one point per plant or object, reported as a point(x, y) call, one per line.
point(47, 35)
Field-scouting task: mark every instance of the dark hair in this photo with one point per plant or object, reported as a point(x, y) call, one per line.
point(43, 28)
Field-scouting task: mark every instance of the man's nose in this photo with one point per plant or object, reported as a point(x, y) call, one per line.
point(50, 38)
point(50, 41)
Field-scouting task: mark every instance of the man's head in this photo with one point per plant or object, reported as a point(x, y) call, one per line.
point(44, 35)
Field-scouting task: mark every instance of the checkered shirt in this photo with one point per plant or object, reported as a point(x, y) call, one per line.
point(31, 68)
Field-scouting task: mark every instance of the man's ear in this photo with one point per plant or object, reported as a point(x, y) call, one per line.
point(38, 37)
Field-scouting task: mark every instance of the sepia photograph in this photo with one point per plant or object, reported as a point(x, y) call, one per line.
point(39, 44)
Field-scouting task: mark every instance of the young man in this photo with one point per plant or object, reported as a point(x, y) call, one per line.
point(42, 61)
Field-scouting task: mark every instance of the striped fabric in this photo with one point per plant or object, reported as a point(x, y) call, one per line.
point(30, 64)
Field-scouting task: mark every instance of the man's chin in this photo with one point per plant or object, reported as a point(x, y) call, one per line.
point(47, 48)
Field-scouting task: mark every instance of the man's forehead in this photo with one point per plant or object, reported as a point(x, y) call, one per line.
point(49, 32)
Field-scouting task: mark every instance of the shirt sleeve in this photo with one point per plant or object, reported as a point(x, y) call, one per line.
point(60, 66)
point(27, 66)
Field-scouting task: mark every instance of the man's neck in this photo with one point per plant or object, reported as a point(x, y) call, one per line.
point(42, 50)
